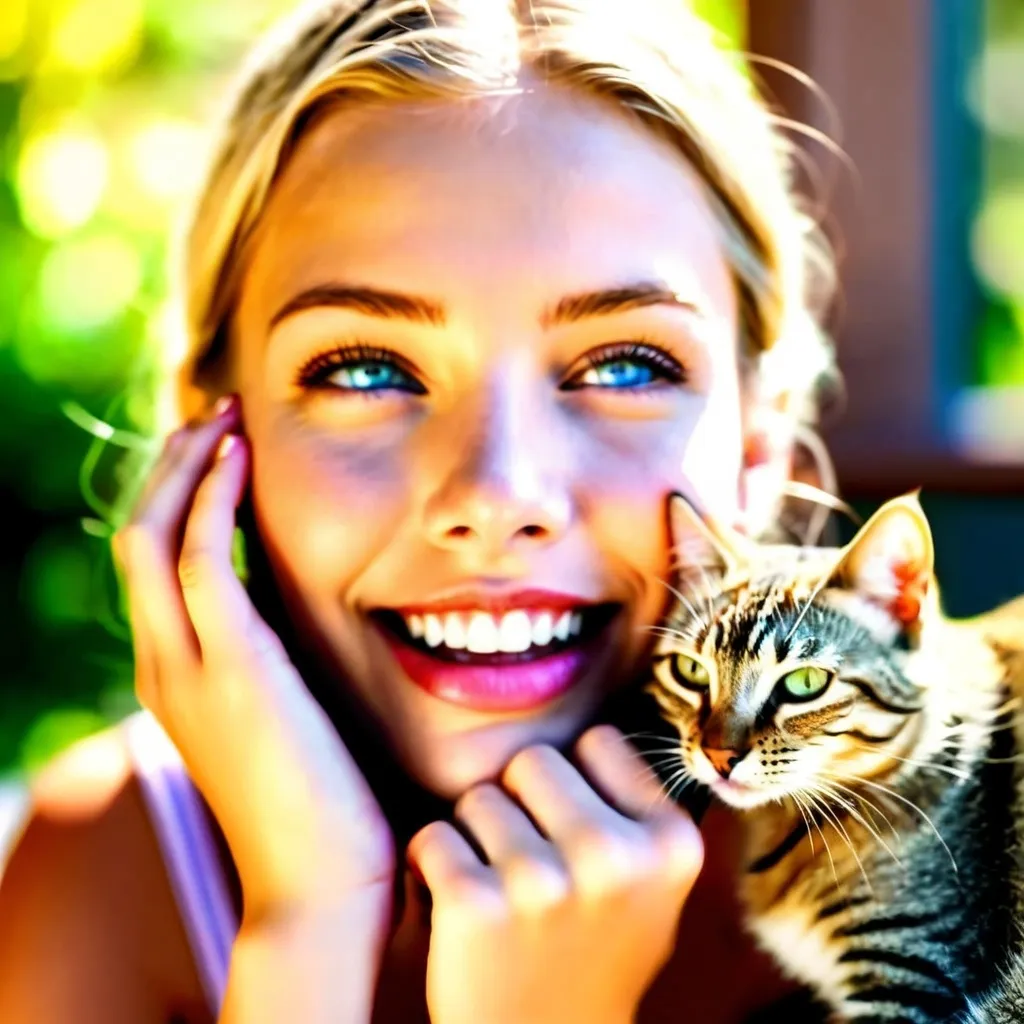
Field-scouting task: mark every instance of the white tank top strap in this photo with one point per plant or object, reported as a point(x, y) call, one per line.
point(189, 850)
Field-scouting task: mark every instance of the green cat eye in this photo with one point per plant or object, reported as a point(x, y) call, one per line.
point(689, 671)
point(807, 682)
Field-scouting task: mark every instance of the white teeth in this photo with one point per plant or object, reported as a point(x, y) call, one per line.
point(561, 627)
point(514, 634)
point(541, 632)
point(454, 632)
point(482, 635)
point(433, 631)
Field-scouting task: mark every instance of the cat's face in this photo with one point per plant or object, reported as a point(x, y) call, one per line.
point(784, 669)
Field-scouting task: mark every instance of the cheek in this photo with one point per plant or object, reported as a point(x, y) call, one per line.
point(626, 476)
point(347, 496)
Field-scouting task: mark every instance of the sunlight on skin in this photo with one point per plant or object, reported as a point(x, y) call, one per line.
point(495, 210)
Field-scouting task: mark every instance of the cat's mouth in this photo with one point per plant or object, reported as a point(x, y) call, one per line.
point(741, 795)
point(728, 786)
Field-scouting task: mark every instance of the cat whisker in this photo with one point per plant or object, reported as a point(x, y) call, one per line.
point(835, 874)
point(800, 806)
point(708, 590)
point(955, 772)
point(818, 588)
point(682, 779)
point(682, 598)
point(830, 787)
point(673, 751)
point(666, 631)
point(835, 819)
point(643, 736)
point(873, 807)
point(670, 763)
point(897, 796)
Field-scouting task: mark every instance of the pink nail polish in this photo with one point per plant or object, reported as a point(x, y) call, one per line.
point(224, 405)
point(227, 445)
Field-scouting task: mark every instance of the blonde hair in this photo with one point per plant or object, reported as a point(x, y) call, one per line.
point(653, 58)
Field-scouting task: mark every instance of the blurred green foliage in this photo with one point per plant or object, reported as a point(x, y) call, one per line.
point(997, 100)
point(104, 114)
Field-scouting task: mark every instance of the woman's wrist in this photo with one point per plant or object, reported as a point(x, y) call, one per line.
point(319, 967)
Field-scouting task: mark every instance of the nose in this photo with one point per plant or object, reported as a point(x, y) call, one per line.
point(507, 482)
point(724, 761)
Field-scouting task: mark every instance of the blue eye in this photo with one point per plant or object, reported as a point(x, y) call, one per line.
point(369, 376)
point(629, 366)
point(622, 373)
point(359, 369)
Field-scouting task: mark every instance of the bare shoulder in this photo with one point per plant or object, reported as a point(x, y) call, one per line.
point(89, 930)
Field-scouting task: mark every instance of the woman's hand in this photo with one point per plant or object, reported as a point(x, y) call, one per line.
point(572, 918)
point(311, 844)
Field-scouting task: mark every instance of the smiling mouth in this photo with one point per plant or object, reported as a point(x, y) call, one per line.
point(511, 639)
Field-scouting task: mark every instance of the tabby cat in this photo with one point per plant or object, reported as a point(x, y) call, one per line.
point(872, 747)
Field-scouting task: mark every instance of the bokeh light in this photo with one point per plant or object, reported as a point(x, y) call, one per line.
point(13, 27)
point(88, 281)
point(998, 231)
point(995, 97)
point(61, 178)
point(94, 36)
point(166, 158)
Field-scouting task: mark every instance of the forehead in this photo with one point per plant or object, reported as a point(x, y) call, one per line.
point(480, 198)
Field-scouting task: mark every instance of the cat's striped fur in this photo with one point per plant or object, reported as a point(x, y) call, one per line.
point(884, 864)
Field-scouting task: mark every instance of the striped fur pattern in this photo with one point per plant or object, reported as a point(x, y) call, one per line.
point(871, 745)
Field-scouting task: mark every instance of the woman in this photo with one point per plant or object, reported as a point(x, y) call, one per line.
point(487, 282)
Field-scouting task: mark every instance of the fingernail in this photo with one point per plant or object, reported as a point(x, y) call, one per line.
point(227, 445)
point(224, 405)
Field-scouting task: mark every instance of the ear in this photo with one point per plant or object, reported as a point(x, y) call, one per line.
point(891, 560)
point(700, 544)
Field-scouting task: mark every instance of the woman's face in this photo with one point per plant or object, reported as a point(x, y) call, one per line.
point(477, 345)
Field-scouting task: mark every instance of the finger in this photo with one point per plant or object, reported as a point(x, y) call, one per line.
point(146, 548)
point(186, 461)
point(447, 865)
point(218, 605)
point(556, 795)
point(630, 784)
point(144, 655)
point(166, 462)
point(528, 864)
point(620, 772)
point(186, 454)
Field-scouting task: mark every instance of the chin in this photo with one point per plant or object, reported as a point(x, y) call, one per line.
point(450, 765)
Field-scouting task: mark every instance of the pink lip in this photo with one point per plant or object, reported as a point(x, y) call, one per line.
point(503, 687)
point(494, 602)
point(519, 687)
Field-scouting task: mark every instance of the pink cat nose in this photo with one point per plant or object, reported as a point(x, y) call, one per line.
point(723, 761)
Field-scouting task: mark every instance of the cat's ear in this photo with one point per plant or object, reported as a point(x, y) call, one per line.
point(891, 560)
point(698, 543)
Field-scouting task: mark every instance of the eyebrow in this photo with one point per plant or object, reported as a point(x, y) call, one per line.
point(369, 301)
point(397, 305)
point(615, 300)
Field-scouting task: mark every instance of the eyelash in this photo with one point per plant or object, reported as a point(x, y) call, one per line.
point(642, 350)
point(316, 373)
